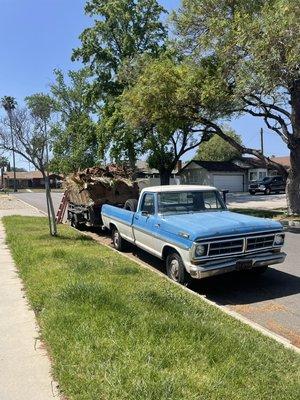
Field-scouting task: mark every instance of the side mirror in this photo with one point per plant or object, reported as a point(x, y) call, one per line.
point(145, 213)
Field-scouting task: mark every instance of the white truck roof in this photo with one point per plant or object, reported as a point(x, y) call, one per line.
point(177, 188)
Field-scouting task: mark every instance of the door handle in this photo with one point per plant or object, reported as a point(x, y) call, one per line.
point(136, 217)
point(157, 225)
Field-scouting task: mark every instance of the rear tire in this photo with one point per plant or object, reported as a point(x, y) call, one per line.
point(131, 205)
point(118, 242)
point(176, 269)
point(252, 193)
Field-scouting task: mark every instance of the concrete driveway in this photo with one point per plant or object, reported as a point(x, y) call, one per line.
point(259, 201)
point(271, 300)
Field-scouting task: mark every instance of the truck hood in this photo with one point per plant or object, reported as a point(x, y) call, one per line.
point(213, 224)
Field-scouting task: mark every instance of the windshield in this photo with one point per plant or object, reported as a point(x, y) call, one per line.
point(189, 202)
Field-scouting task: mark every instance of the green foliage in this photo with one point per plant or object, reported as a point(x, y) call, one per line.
point(40, 105)
point(74, 137)
point(217, 149)
point(122, 30)
point(172, 103)
point(257, 41)
point(117, 331)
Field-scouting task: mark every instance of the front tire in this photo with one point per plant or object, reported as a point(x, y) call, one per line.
point(252, 192)
point(267, 191)
point(118, 242)
point(176, 269)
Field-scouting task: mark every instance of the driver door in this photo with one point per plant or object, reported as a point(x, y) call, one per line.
point(144, 224)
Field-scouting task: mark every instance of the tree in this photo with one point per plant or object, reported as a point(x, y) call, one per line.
point(41, 107)
point(256, 45)
point(9, 104)
point(122, 31)
point(218, 149)
point(166, 104)
point(30, 142)
point(75, 136)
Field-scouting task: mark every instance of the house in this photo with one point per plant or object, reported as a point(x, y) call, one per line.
point(232, 175)
point(29, 180)
point(224, 175)
point(147, 176)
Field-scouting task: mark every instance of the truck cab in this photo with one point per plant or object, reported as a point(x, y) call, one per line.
point(191, 229)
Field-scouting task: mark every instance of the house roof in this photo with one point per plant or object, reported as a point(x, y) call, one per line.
point(285, 161)
point(142, 166)
point(251, 162)
point(216, 166)
point(26, 175)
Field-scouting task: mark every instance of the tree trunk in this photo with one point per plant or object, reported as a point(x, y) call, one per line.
point(165, 176)
point(293, 182)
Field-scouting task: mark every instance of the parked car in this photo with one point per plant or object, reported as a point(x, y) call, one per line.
point(275, 184)
point(190, 228)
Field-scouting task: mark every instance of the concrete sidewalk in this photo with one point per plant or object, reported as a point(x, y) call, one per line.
point(24, 365)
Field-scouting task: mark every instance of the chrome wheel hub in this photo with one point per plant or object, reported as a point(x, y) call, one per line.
point(116, 239)
point(174, 269)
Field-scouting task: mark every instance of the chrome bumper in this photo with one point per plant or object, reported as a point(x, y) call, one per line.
point(217, 268)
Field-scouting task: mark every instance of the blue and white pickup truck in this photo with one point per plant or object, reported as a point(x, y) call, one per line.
point(191, 229)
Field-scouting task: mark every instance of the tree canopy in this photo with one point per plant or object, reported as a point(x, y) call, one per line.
point(74, 137)
point(168, 103)
point(256, 47)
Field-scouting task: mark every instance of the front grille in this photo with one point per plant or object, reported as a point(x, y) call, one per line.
point(259, 242)
point(254, 186)
point(226, 247)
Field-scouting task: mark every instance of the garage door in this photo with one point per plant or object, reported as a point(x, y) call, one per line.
point(233, 183)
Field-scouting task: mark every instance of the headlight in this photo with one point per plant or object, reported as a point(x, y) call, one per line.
point(279, 239)
point(262, 186)
point(200, 250)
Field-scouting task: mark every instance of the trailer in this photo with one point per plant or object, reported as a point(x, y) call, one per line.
point(88, 190)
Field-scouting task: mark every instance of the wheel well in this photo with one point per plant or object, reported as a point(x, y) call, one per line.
point(168, 250)
point(112, 226)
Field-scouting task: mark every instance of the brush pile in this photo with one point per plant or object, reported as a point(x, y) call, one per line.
point(96, 186)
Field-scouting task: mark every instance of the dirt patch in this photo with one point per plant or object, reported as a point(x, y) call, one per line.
point(262, 308)
point(293, 336)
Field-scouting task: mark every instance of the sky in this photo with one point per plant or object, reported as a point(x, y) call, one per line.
point(37, 36)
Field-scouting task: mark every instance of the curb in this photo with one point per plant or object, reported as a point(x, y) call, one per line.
point(266, 332)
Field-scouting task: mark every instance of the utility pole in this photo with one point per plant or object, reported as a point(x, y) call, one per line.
point(262, 140)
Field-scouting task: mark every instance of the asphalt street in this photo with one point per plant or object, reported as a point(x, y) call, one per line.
point(271, 299)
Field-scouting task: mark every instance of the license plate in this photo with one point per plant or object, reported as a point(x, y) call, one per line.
point(244, 264)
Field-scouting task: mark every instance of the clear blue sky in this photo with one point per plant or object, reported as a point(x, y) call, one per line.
point(37, 36)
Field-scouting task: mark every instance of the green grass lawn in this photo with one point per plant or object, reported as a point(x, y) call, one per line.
point(117, 331)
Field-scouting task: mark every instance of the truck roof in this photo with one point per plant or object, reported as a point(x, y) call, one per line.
point(176, 188)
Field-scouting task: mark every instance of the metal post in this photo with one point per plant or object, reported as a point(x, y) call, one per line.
point(262, 140)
